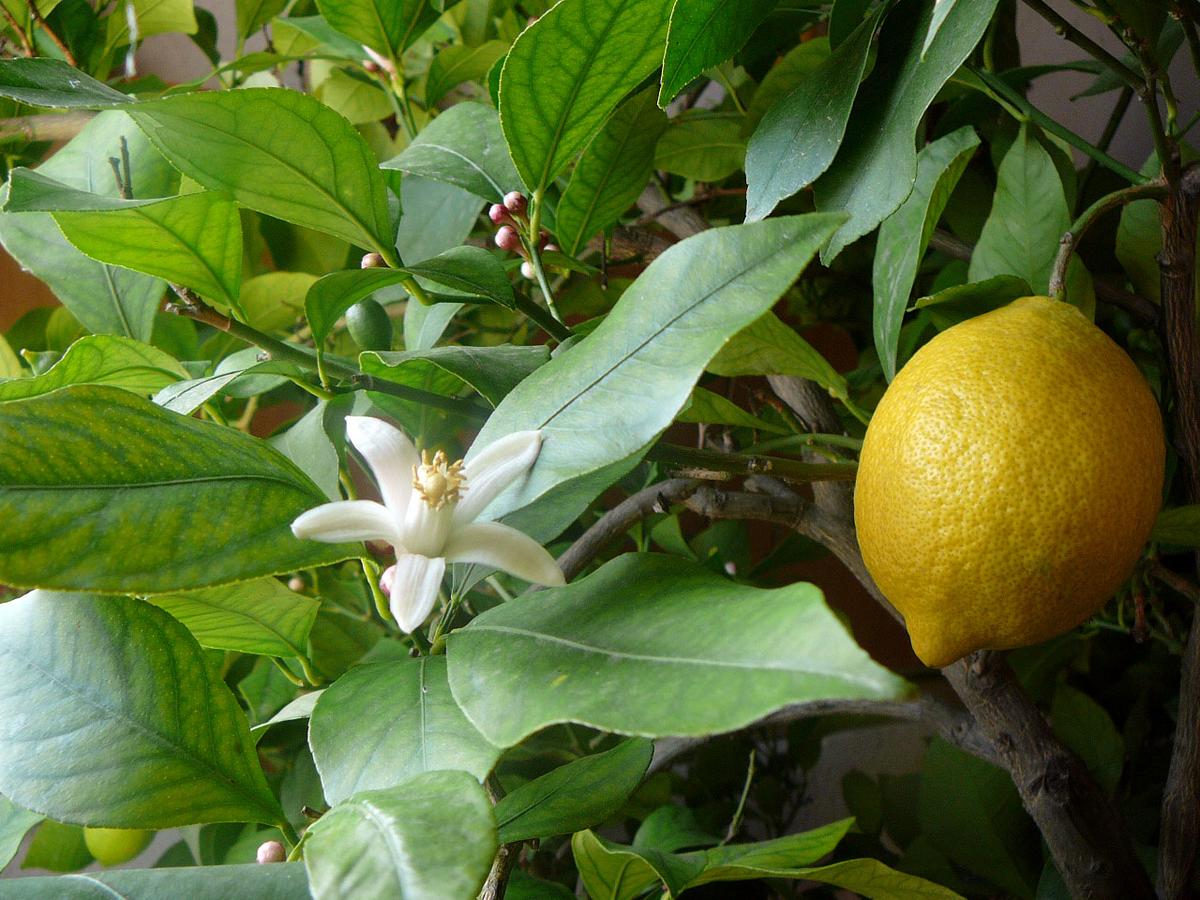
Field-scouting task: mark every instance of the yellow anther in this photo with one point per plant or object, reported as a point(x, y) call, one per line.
point(438, 481)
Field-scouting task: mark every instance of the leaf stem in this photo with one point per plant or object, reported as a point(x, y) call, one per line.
point(805, 440)
point(371, 574)
point(543, 319)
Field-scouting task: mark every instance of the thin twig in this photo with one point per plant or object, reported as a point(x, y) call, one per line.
point(36, 15)
point(1115, 118)
point(1085, 43)
point(17, 30)
point(45, 126)
point(1176, 582)
point(712, 465)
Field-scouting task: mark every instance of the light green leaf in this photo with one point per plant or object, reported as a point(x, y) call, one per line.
point(614, 872)
point(569, 70)
point(260, 616)
point(15, 823)
point(464, 146)
point(275, 300)
point(713, 409)
point(431, 838)
point(281, 881)
point(704, 33)
point(381, 724)
point(769, 347)
point(312, 443)
point(702, 146)
point(799, 135)
point(611, 174)
point(101, 359)
point(388, 26)
point(876, 165)
point(354, 96)
point(458, 63)
point(10, 365)
point(54, 83)
point(152, 17)
point(493, 372)
point(1180, 525)
point(581, 794)
point(81, 672)
point(655, 342)
point(101, 490)
point(905, 234)
point(57, 848)
point(311, 168)
point(254, 14)
point(674, 661)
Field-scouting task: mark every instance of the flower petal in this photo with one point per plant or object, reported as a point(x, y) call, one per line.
point(391, 456)
point(503, 547)
point(494, 469)
point(413, 588)
point(347, 520)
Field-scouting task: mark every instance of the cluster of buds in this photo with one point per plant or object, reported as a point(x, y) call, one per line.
point(511, 219)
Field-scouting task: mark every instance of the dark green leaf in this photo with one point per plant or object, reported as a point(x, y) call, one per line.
point(381, 724)
point(472, 270)
point(388, 26)
point(54, 83)
point(704, 33)
point(491, 371)
point(282, 881)
point(1180, 525)
point(81, 672)
point(458, 63)
point(581, 794)
point(329, 297)
point(704, 147)
point(100, 490)
point(672, 828)
point(1083, 725)
point(962, 301)
point(101, 359)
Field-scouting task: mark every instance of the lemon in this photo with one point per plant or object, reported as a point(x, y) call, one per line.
point(1008, 480)
point(112, 846)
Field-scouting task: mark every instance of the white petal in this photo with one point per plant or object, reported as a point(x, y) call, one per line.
point(414, 588)
point(505, 548)
point(494, 469)
point(391, 456)
point(347, 520)
point(425, 529)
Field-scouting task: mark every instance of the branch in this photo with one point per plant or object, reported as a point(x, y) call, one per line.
point(713, 465)
point(44, 126)
point(502, 866)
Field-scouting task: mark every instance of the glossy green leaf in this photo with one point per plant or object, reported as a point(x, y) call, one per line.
point(430, 838)
point(471, 270)
point(260, 616)
point(101, 490)
point(713, 409)
point(54, 83)
point(1180, 525)
point(705, 147)
point(799, 135)
point(81, 672)
point(493, 372)
point(282, 881)
point(769, 347)
point(941, 9)
point(329, 297)
point(904, 236)
point(194, 239)
point(611, 174)
point(188, 396)
point(464, 146)
point(658, 338)
point(458, 63)
point(387, 26)
point(673, 661)
point(101, 359)
point(581, 794)
point(152, 17)
point(254, 14)
point(876, 165)
point(704, 33)
point(952, 305)
point(611, 871)
point(787, 74)
point(15, 823)
point(381, 724)
point(311, 168)
point(569, 70)
point(673, 828)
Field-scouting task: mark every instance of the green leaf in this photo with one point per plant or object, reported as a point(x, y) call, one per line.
point(381, 724)
point(430, 838)
point(788, 72)
point(941, 9)
point(101, 359)
point(876, 165)
point(260, 616)
point(1180, 525)
point(10, 365)
point(493, 372)
point(464, 146)
point(58, 848)
point(713, 409)
point(152, 17)
point(81, 672)
point(672, 828)
point(388, 26)
point(579, 795)
point(101, 490)
point(54, 83)
point(472, 270)
point(15, 823)
point(702, 146)
point(569, 70)
point(311, 168)
point(329, 297)
point(655, 342)
point(274, 301)
point(905, 234)
point(254, 14)
point(955, 304)
point(1084, 726)
point(281, 881)
point(611, 174)
point(674, 661)
point(866, 877)
point(458, 63)
point(769, 347)
point(614, 872)
point(704, 33)
point(194, 239)
point(799, 136)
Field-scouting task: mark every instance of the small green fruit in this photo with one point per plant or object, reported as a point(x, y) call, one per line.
point(369, 325)
point(113, 846)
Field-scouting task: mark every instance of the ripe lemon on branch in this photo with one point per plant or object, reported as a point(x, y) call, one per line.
point(1008, 480)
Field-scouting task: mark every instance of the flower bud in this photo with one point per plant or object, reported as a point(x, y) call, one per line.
point(528, 270)
point(271, 852)
point(382, 61)
point(296, 583)
point(386, 579)
point(507, 238)
point(498, 214)
point(370, 65)
point(515, 203)
point(372, 261)
point(552, 248)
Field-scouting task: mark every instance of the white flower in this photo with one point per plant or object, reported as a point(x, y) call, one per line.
point(428, 515)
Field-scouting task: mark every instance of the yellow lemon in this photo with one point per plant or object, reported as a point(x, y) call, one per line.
point(1008, 480)
point(113, 846)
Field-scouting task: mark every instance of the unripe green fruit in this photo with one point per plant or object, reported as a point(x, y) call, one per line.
point(113, 846)
point(369, 325)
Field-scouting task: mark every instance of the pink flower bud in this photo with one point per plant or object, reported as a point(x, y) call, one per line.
point(372, 261)
point(515, 203)
point(498, 214)
point(507, 238)
point(382, 61)
point(386, 579)
point(296, 583)
point(552, 248)
point(528, 270)
point(370, 65)
point(271, 852)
